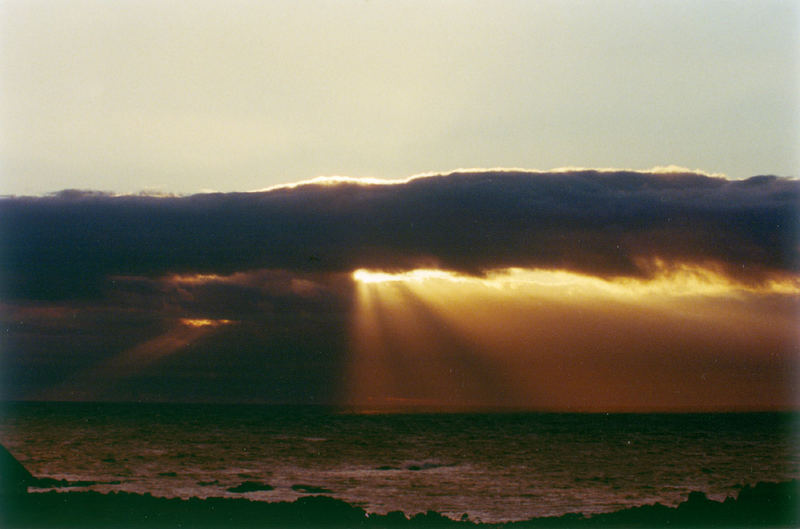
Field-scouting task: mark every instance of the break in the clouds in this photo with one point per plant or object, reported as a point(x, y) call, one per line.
point(607, 224)
point(568, 290)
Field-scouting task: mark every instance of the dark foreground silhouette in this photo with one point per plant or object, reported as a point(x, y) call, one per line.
point(762, 505)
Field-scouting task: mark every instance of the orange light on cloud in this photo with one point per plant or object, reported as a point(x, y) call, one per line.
point(545, 339)
point(195, 279)
point(196, 322)
point(418, 275)
point(675, 281)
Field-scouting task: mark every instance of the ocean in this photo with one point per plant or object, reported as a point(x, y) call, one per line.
point(490, 466)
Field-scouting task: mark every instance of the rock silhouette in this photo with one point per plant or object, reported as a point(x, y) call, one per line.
point(14, 478)
point(761, 505)
point(251, 486)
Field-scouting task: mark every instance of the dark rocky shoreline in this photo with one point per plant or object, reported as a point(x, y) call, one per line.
point(761, 505)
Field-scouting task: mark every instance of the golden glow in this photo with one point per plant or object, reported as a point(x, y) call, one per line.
point(552, 339)
point(193, 322)
point(683, 280)
point(195, 279)
point(95, 381)
point(416, 276)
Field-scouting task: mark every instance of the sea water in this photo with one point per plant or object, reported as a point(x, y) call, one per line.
point(491, 466)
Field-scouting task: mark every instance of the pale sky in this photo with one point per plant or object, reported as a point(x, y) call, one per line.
point(181, 97)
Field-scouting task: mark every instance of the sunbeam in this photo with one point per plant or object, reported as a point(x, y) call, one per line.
point(545, 339)
point(405, 354)
point(93, 382)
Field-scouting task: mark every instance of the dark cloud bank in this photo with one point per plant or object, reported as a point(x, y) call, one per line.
point(89, 278)
point(603, 223)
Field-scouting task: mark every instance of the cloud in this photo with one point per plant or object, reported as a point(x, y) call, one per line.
point(266, 336)
point(251, 296)
point(603, 223)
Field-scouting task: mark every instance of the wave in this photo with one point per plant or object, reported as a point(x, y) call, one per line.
point(766, 504)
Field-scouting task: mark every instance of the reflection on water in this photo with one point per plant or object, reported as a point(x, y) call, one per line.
point(491, 466)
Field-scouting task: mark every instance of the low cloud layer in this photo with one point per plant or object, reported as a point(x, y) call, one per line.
point(69, 245)
point(249, 297)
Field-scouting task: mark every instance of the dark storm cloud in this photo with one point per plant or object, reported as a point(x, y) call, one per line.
point(281, 337)
point(242, 296)
point(602, 223)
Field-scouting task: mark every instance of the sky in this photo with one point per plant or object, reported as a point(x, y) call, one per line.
point(452, 205)
point(561, 291)
point(234, 96)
